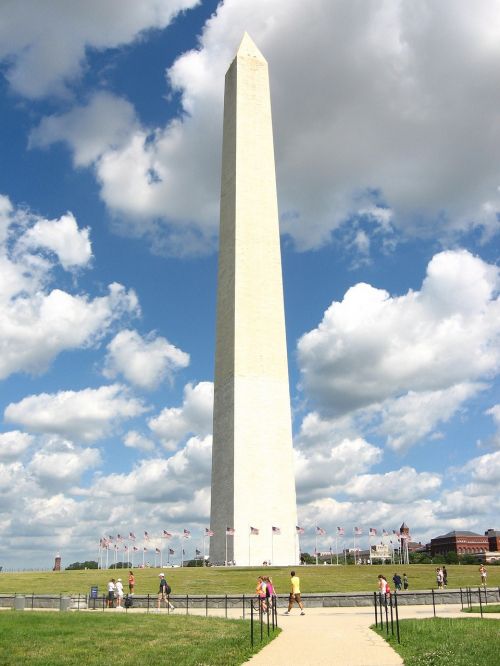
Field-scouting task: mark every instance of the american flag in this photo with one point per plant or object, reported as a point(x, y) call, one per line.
point(166, 534)
point(135, 548)
point(276, 530)
point(373, 531)
point(299, 530)
point(125, 547)
point(119, 537)
point(198, 552)
point(320, 531)
point(131, 536)
point(116, 546)
point(145, 549)
point(110, 538)
point(186, 534)
point(396, 533)
point(208, 532)
point(385, 533)
point(340, 531)
point(157, 550)
point(171, 551)
point(146, 536)
point(230, 531)
point(358, 531)
point(254, 530)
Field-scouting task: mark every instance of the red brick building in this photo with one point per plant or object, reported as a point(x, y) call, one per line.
point(493, 540)
point(460, 542)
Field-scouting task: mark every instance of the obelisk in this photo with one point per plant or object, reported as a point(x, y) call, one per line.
point(253, 483)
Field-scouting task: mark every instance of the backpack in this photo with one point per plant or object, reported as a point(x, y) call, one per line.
point(168, 589)
point(387, 589)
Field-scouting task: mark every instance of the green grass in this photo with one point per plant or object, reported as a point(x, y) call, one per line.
point(487, 608)
point(242, 580)
point(448, 642)
point(60, 639)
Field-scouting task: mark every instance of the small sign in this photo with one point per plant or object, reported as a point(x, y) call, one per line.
point(94, 592)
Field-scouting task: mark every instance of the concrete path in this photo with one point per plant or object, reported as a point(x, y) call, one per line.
point(327, 636)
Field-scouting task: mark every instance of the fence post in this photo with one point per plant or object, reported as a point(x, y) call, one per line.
point(148, 603)
point(261, 618)
point(275, 601)
point(386, 615)
point(397, 616)
point(461, 599)
point(187, 604)
point(251, 623)
point(485, 595)
point(243, 606)
point(480, 602)
point(267, 608)
point(206, 605)
point(225, 606)
point(433, 602)
point(375, 603)
point(392, 619)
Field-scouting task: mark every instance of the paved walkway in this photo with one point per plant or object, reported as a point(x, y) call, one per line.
point(326, 636)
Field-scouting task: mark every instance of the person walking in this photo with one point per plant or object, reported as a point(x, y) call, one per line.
point(405, 582)
point(111, 593)
point(396, 579)
point(119, 593)
point(131, 582)
point(295, 594)
point(164, 592)
point(261, 592)
point(484, 574)
point(445, 577)
point(439, 578)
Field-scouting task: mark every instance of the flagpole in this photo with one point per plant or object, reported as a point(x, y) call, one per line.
point(225, 563)
point(337, 547)
point(316, 546)
point(249, 545)
point(354, 544)
point(272, 545)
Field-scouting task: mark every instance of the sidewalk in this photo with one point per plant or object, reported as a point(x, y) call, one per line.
point(326, 636)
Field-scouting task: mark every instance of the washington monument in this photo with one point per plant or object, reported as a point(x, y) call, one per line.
point(253, 484)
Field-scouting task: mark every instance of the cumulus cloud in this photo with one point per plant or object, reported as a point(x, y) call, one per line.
point(395, 487)
point(59, 463)
point(494, 412)
point(371, 347)
point(44, 45)
point(374, 81)
point(13, 444)
point(134, 440)
point(144, 362)
point(84, 415)
point(194, 416)
point(414, 416)
point(321, 473)
point(63, 237)
point(37, 322)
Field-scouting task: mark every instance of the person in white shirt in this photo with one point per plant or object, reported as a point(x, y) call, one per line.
point(119, 593)
point(111, 593)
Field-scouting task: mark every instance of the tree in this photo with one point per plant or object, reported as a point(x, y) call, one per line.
point(89, 564)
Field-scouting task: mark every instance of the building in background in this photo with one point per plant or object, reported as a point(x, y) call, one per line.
point(459, 542)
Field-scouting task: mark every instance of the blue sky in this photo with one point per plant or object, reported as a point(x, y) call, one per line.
point(386, 138)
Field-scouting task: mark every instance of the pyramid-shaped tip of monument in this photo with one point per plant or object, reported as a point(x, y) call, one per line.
point(247, 48)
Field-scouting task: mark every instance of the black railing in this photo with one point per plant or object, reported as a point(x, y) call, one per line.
point(265, 615)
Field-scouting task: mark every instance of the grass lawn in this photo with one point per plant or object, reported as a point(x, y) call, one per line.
point(71, 639)
point(213, 580)
point(487, 608)
point(448, 642)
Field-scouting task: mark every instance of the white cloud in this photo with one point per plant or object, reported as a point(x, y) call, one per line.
point(494, 412)
point(63, 237)
point(371, 346)
point(13, 444)
point(395, 487)
point(44, 44)
point(320, 473)
point(375, 87)
point(135, 440)
point(82, 415)
point(145, 362)
point(414, 416)
point(195, 416)
point(165, 480)
point(37, 323)
point(59, 464)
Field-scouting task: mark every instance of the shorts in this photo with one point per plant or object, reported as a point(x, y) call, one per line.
point(295, 597)
point(111, 596)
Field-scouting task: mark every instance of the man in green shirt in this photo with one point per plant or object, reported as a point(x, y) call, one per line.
point(295, 594)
